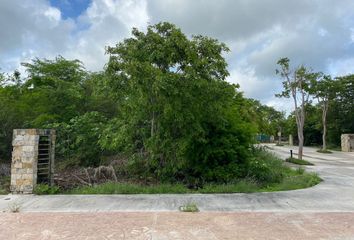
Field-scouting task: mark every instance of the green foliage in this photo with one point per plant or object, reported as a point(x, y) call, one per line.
point(57, 82)
point(268, 120)
point(268, 173)
point(177, 115)
point(162, 101)
point(312, 126)
point(341, 110)
point(265, 168)
point(293, 179)
point(44, 189)
point(339, 93)
point(126, 188)
point(78, 139)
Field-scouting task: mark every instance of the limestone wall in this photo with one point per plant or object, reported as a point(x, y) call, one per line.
point(24, 158)
point(347, 142)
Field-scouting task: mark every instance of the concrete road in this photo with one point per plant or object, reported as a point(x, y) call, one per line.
point(325, 211)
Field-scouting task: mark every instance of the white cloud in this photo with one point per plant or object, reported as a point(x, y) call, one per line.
point(31, 29)
point(53, 14)
point(316, 33)
point(109, 22)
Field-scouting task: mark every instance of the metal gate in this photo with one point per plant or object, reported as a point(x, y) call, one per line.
point(44, 159)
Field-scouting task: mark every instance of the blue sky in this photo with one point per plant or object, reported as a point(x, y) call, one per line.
point(317, 33)
point(71, 8)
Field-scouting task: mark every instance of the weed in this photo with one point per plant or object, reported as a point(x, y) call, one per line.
point(15, 207)
point(189, 207)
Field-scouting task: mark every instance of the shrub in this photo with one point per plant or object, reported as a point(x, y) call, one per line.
point(266, 168)
point(41, 189)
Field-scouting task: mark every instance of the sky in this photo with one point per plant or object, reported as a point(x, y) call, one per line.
point(316, 33)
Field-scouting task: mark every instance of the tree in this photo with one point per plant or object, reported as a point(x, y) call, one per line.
point(341, 109)
point(54, 89)
point(296, 84)
point(324, 90)
point(177, 115)
point(2, 79)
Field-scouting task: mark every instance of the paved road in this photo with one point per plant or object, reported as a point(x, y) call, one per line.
point(172, 226)
point(325, 211)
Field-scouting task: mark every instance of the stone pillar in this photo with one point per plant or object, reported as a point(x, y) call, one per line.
point(347, 142)
point(25, 158)
point(271, 139)
point(291, 140)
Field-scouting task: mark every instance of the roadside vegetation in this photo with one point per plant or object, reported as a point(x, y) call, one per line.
point(267, 173)
point(161, 117)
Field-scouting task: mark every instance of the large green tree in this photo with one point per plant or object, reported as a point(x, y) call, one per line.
point(176, 111)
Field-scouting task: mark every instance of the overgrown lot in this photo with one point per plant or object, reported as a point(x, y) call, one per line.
point(266, 173)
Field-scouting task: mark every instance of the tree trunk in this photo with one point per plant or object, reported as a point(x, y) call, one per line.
point(324, 145)
point(324, 122)
point(301, 144)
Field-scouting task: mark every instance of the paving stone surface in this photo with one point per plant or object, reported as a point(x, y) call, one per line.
point(166, 225)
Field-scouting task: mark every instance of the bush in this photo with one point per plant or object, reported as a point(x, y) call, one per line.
point(265, 168)
point(42, 189)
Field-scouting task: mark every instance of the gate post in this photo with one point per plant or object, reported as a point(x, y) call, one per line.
point(32, 159)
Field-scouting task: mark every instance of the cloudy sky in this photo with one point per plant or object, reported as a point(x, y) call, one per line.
point(316, 33)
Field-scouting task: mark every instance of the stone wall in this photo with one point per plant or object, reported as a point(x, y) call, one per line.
point(347, 142)
point(24, 158)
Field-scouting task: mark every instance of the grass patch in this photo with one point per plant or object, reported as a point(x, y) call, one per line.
point(298, 161)
point(294, 182)
point(294, 179)
point(323, 151)
point(130, 188)
point(44, 189)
